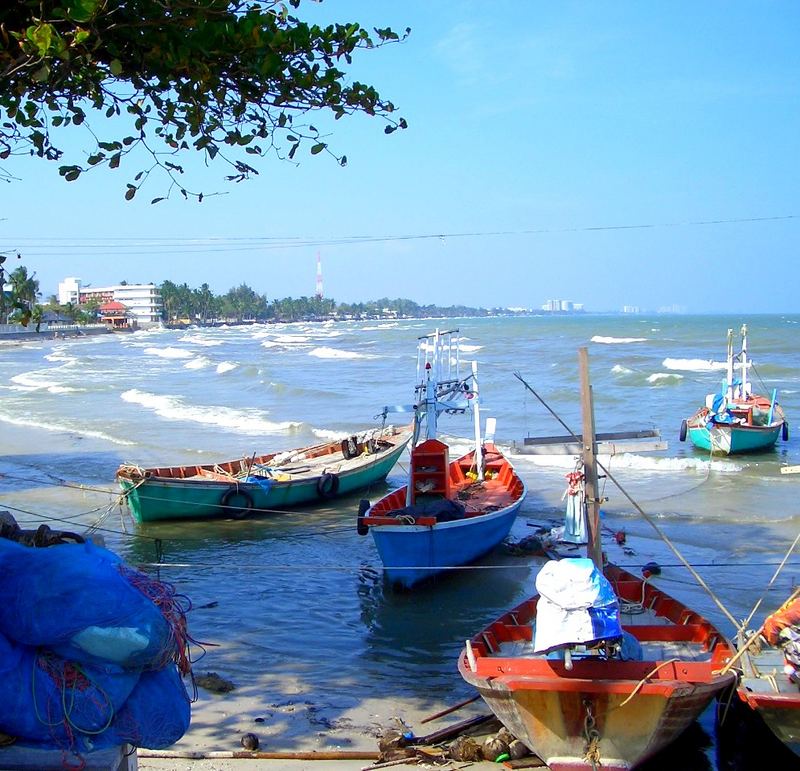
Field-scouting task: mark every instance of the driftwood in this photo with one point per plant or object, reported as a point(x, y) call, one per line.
point(444, 734)
point(238, 754)
point(451, 709)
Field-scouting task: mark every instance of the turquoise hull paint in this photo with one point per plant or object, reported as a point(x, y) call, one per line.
point(160, 499)
point(729, 439)
point(413, 553)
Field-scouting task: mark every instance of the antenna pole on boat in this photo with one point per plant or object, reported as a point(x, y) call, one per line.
point(589, 445)
point(729, 390)
point(476, 412)
point(744, 361)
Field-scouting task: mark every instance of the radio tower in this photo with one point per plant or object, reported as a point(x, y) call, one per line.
point(319, 278)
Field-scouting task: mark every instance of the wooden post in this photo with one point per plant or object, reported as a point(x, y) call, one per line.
point(589, 447)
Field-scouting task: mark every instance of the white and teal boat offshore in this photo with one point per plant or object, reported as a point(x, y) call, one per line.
point(735, 420)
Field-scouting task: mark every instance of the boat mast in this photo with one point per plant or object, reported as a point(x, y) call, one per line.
point(729, 390)
point(476, 412)
point(744, 361)
point(589, 444)
point(431, 381)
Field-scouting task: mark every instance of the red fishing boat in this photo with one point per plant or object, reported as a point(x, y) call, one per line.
point(770, 679)
point(615, 694)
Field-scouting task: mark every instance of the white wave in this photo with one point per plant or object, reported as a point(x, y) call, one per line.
point(61, 356)
point(328, 436)
point(292, 339)
point(662, 377)
point(615, 340)
point(200, 340)
point(393, 325)
point(197, 363)
point(694, 365)
point(469, 348)
point(225, 366)
point(246, 421)
point(269, 344)
point(169, 353)
point(335, 353)
point(629, 460)
point(62, 429)
point(28, 381)
point(618, 369)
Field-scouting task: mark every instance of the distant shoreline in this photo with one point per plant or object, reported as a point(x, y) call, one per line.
point(52, 334)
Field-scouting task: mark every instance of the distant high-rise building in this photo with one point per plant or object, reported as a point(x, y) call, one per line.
point(319, 277)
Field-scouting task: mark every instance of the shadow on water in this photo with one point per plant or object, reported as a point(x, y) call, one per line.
point(744, 742)
point(31, 471)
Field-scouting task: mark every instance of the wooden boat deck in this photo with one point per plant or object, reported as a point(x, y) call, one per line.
point(653, 633)
point(763, 673)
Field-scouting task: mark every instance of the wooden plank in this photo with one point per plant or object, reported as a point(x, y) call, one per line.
point(790, 469)
point(601, 437)
point(595, 549)
point(454, 730)
point(603, 448)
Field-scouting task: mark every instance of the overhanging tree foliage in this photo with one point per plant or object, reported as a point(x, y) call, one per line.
point(233, 79)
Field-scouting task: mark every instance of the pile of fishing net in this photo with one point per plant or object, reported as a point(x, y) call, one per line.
point(92, 652)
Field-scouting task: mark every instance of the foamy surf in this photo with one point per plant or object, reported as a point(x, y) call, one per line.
point(199, 363)
point(694, 365)
point(324, 352)
point(169, 353)
point(247, 421)
point(62, 428)
point(617, 340)
point(664, 378)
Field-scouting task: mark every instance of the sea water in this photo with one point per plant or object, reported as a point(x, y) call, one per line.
point(297, 601)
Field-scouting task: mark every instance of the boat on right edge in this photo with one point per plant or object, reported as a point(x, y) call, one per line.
point(600, 669)
point(770, 680)
point(735, 420)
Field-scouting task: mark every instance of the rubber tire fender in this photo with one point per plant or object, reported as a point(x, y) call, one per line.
point(327, 485)
point(684, 430)
point(363, 508)
point(349, 448)
point(235, 511)
point(785, 432)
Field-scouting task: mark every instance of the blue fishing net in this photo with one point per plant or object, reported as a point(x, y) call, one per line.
point(78, 600)
point(47, 699)
point(91, 651)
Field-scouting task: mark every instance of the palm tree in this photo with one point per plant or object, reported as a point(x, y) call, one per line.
point(24, 288)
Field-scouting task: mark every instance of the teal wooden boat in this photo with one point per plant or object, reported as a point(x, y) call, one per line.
point(262, 483)
point(735, 420)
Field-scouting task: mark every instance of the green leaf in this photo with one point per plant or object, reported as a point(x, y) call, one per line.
point(73, 174)
point(41, 36)
point(40, 75)
point(115, 67)
point(81, 10)
point(156, 200)
point(318, 148)
point(114, 162)
point(130, 192)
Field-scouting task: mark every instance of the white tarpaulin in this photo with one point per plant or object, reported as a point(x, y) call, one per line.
point(576, 605)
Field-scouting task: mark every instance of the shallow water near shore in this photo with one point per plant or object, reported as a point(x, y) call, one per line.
point(293, 608)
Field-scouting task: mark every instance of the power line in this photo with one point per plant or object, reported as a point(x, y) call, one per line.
point(254, 243)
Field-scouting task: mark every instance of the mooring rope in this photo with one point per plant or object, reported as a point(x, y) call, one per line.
point(641, 511)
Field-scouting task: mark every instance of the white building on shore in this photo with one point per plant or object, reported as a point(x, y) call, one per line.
point(142, 301)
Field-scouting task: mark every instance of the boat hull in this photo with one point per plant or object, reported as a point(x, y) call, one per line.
point(154, 498)
point(551, 723)
point(728, 440)
point(608, 713)
point(414, 553)
point(780, 712)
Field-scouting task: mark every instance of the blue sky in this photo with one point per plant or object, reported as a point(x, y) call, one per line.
point(531, 124)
